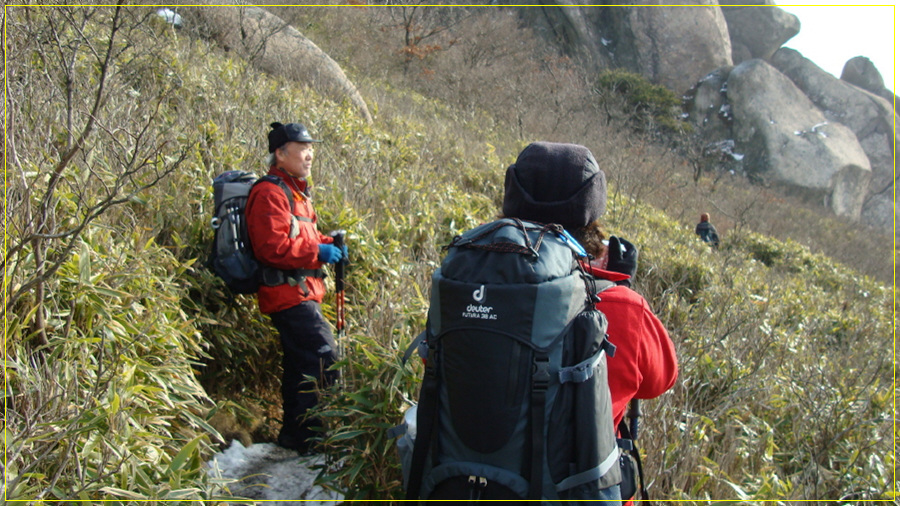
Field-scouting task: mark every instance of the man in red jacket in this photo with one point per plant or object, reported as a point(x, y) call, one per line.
point(287, 242)
point(562, 183)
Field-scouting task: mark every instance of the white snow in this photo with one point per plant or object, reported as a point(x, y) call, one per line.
point(268, 472)
point(171, 17)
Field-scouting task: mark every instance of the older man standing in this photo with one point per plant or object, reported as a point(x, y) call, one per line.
point(286, 240)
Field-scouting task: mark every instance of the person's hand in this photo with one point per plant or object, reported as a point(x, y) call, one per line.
point(623, 257)
point(331, 254)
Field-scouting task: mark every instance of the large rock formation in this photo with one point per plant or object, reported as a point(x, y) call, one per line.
point(673, 46)
point(793, 123)
point(757, 29)
point(778, 134)
point(576, 30)
point(870, 117)
point(275, 47)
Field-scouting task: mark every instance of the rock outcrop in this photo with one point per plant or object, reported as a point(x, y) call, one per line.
point(870, 117)
point(275, 47)
point(789, 122)
point(778, 134)
point(576, 30)
point(674, 46)
point(860, 71)
point(756, 28)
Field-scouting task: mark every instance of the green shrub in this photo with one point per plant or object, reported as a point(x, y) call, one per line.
point(110, 407)
point(645, 105)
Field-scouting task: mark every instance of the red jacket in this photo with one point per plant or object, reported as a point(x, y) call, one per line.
point(269, 222)
point(644, 365)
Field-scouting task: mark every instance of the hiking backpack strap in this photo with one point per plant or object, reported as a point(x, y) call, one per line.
point(426, 418)
point(540, 381)
point(415, 345)
point(628, 443)
point(269, 178)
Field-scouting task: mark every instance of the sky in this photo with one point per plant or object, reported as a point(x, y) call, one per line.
point(833, 31)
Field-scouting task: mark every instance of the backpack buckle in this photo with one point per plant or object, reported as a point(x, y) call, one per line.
point(540, 378)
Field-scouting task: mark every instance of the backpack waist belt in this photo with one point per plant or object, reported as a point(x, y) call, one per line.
point(271, 276)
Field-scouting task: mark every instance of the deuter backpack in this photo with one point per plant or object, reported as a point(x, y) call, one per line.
point(231, 256)
point(515, 402)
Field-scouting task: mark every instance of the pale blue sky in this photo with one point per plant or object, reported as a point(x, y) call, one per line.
point(832, 32)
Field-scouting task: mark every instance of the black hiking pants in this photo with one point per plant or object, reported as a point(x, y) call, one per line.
point(309, 349)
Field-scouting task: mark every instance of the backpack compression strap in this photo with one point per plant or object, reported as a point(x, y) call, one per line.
point(507, 247)
point(540, 381)
point(425, 423)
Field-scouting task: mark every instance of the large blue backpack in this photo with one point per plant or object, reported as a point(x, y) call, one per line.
point(515, 401)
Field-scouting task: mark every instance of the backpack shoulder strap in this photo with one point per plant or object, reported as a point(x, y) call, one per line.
point(269, 178)
point(603, 284)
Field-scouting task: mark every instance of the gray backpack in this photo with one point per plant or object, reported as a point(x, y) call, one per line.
point(515, 402)
point(231, 256)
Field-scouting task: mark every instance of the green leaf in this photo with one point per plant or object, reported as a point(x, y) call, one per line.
point(185, 453)
point(118, 492)
point(350, 434)
point(114, 405)
point(84, 264)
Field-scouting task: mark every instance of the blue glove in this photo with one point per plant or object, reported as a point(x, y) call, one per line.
point(331, 254)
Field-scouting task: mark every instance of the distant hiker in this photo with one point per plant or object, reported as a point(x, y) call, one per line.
point(707, 231)
point(562, 183)
point(288, 240)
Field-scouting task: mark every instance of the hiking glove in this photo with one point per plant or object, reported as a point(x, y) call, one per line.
point(623, 257)
point(331, 254)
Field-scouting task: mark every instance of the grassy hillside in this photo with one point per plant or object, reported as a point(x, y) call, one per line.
point(121, 348)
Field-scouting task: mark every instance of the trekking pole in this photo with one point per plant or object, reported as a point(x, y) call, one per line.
point(338, 236)
point(634, 413)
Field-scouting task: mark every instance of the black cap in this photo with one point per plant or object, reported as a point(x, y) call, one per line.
point(282, 134)
point(555, 183)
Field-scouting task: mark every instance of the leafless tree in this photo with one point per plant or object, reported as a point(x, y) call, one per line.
point(94, 145)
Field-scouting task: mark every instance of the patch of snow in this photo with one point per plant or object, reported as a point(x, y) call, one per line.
point(171, 17)
point(268, 472)
point(723, 148)
point(815, 130)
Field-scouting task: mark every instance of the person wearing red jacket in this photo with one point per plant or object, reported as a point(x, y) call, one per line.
point(644, 366)
point(287, 242)
point(562, 183)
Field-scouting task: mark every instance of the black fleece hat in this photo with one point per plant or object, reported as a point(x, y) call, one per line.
point(555, 183)
point(282, 134)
